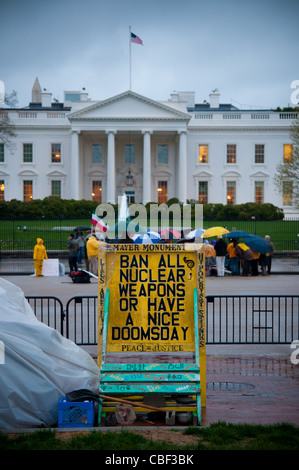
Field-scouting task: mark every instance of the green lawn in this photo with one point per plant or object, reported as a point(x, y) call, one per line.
point(218, 436)
point(22, 234)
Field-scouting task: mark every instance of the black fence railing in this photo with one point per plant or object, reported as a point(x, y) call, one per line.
point(20, 235)
point(234, 320)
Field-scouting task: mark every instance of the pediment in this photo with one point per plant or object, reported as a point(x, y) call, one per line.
point(259, 174)
point(203, 174)
point(128, 106)
point(56, 174)
point(231, 174)
point(28, 173)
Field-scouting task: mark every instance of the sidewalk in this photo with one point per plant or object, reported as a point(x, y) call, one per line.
point(245, 384)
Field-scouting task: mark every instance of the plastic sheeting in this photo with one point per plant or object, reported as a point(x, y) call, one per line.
point(38, 366)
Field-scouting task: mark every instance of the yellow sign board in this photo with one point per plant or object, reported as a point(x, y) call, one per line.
point(151, 298)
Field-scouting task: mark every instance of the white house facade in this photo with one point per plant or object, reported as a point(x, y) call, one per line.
point(152, 151)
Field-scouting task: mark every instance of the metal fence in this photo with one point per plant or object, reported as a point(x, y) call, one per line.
point(235, 320)
point(20, 235)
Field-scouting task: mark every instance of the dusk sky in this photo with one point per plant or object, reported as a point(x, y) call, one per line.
point(247, 49)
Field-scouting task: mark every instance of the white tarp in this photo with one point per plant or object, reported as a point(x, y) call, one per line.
point(38, 366)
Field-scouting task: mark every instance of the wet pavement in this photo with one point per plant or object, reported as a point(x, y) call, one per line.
point(245, 384)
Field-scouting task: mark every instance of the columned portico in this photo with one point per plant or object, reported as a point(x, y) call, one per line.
point(182, 167)
point(75, 188)
point(147, 184)
point(111, 166)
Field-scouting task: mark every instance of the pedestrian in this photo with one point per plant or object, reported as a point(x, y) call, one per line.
point(233, 258)
point(39, 254)
point(269, 255)
point(220, 250)
point(92, 254)
point(73, 252)
point(80, 239)
point(254, 263)
point(245, 254)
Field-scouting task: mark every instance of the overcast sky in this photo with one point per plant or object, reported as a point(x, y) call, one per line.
point(248, 49)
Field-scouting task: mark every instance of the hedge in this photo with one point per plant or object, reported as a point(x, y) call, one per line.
point(55, 208)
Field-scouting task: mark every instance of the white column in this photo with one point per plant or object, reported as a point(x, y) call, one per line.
point(111, 167)
point(75, 161)
point(182, 167)
point(147, 179)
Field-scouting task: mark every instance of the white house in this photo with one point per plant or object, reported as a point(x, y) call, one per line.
point(153, 151)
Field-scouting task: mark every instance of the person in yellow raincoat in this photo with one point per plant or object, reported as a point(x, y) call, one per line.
point(39, 254)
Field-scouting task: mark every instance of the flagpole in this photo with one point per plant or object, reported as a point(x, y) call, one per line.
point(130, 56)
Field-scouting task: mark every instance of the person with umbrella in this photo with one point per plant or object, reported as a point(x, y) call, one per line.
point(245, 254)
point(233, 257)
point(269, 255)
point(221, 250)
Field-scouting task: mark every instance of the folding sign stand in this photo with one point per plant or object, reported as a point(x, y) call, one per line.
point(176, 386)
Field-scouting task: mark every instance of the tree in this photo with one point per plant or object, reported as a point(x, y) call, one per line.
point(286, 178)
point(6, 128)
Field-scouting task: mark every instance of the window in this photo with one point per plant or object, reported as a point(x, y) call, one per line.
point(97, 191)
point(203, 154)
point(287, 193)
point(203, 192)
point(56, 153)
point(27, 153)
point(231, 153)
point(259, 192)
point(130, 153)
point(259, 154)
point(2, 187)
point(27, 190)
point(96, 153)
point(162, 153)
point(162, 192)
point(1, 153)
point(130, 197)
point(56, 188)
point(287, 153)
point(231, 192)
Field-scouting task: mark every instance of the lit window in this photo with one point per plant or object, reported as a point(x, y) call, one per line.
point(56, 188)
point(231, 153)
point(96, 153)
point(259, 156)
point(162, 192)
point(2, 188)
point(203, 154)
point(130, 153)
point(287, 153)
point(231, 192)
point(287, 193)
point(27, 191)
point(1, 153)
point(203, 192)
point(259, 192)
point(27, 153)
point(56, 153)
point(97, 191)
point(162, 153)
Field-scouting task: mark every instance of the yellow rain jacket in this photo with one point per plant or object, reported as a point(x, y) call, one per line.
point(39, 250)
point(39, 254)
point(92, 246)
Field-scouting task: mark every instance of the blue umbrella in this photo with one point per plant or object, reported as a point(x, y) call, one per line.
point(235, 234)
point(195, 233)
point(258, 244)
point(146, 238)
